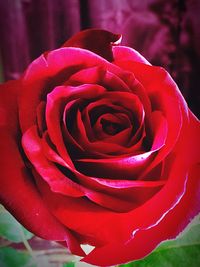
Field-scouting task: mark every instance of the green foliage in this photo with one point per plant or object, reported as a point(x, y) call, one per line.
point(69, 264)
point(10, 229)
point(183, 251)
point(10, 257)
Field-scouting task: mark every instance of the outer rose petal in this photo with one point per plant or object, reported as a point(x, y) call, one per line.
point(19, 189)
point(49, 172)
point(92, 75)
point(123, 52)
point(145, 240)
point(102, 44)
point(168, 100)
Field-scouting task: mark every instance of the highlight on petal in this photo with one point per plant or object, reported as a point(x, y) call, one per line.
point(127, 167)
point(159, 130)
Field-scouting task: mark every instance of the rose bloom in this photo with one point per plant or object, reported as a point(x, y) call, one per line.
point(99, 147)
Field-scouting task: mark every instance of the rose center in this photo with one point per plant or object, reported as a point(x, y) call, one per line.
point(110, 127)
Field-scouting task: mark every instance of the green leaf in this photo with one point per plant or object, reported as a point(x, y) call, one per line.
point(10, 229)
point(183, 251)
point(69, 264)
point(9, 257)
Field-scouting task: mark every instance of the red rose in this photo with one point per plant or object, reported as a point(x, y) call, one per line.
point(99, 147)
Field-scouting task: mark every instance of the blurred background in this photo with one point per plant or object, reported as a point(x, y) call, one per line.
point(167, 33)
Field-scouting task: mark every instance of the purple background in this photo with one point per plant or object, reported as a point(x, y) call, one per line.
point(167, 33)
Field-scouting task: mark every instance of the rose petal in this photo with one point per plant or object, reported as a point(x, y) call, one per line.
point(111, 102)
point(48, 171)
point(96, 40)
point(68, 114)
point(169, 227)
point(46, 72)
point(122, 167)
point(126, 166)
point(56, 102)
point(135, 87)
point(136, 192)
point(92, 75)
point(63, 184)
point(95, 147)
point(62, 58)
point(8, 107)
point(103, 230)
point(34, 213)
point(78, 214)
point(159, 129)
point(37, 71)
point(120, 184)
point(95, 109)
point(40, 111)
point(121, 138)
point(154, 78)
point(50, 152)
point(82, 133)
point(128, 53)
point(113, 82)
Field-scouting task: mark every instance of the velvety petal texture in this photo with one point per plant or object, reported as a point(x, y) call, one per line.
point(99, 145)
